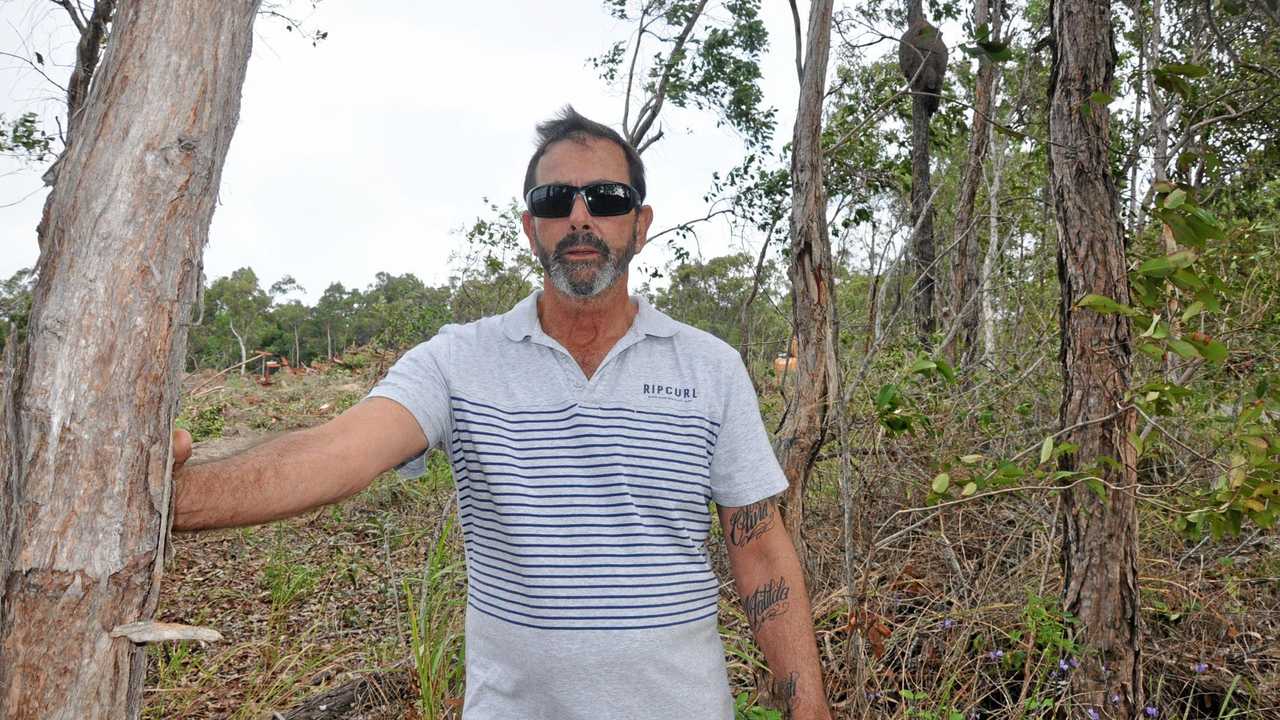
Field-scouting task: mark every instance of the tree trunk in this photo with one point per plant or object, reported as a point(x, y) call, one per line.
point(922, 239)
point(993, 250)
point(1138, 99)
point(239, 339)
point(1099, 552)
point(1160, 170)
point(87, 413)
point(744, 312)
point(964, 277)
point(812, 285)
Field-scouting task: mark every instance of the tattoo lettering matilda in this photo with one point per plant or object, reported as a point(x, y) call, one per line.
point(767, 602)
point(750, 522)
point(784, 691)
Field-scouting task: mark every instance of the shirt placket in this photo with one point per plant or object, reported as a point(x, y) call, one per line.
point(579, 386)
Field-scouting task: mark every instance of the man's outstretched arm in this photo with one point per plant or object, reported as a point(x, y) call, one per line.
point(770, 582)
point(296, 472)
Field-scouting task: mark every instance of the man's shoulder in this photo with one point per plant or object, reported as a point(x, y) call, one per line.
point(459, 337)
point(692, 340)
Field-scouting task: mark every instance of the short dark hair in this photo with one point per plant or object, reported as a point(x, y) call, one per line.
point(570, 125)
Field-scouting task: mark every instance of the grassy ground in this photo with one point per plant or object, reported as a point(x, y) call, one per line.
point(953, 614)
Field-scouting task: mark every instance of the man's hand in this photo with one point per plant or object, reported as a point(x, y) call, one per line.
point(181, 449)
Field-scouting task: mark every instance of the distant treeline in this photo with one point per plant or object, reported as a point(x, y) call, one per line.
point(237, 316)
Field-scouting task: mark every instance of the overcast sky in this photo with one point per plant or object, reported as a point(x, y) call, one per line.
point(370, 152)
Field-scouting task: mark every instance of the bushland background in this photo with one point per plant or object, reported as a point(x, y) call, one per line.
point(932, 513)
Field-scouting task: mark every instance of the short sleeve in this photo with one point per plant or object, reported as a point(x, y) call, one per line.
point(419, 382)
point(743, 467)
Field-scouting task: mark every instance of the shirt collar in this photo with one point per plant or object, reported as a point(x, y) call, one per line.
point(522, 320)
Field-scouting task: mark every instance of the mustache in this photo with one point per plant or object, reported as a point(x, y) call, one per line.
point(578, 240)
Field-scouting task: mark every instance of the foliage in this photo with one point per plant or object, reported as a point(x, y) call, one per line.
point(23, 137)
point(15, 305)
point(717, 69)
point(709, 295)
point(743, 709)
point(204, 423)
point(434, 611)
point(496, 268)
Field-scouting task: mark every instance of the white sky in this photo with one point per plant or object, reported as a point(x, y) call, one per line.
point(371, 151)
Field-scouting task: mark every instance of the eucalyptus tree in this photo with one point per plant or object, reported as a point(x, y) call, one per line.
point(87, 411)
point(817, 383)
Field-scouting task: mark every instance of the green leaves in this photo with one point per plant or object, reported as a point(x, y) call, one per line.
point(1173, 77)
point(1168, 265)
point(1185, 69)
point(931, 366)
point(1106, 306)
point(24, 136)
point(1207, 348)
point(890, 411)
point(984, 47)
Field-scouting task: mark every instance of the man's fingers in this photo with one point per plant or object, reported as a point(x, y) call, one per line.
point(181, 447)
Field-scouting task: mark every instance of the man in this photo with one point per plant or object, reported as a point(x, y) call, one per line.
point(587, 434)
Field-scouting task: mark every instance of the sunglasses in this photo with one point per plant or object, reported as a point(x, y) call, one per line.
point(603, 199)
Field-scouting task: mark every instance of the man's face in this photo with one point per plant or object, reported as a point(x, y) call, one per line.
point(585, 255)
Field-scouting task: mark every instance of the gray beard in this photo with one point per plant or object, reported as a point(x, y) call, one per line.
point(576, 279)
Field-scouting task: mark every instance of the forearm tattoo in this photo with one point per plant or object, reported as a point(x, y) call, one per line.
point(767, 602)
point(784, 691)
point(750, 522)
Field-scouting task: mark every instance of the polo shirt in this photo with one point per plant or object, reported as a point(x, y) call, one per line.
point(584, 508)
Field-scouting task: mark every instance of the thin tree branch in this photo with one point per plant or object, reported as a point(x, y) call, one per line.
point(35, 67)
point(795, 20)
point(631, 72)
point(76, 18)
point(645, 120)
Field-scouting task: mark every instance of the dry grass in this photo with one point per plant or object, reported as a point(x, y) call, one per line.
point(952, 610)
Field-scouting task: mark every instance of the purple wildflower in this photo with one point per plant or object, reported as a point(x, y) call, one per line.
point(995, 654)
point(1073, 662)
point(948, 623)
point(1200, 667)
point(1151, 711)
point(1063, 666)
point(1093, 714)
point(1115, 698)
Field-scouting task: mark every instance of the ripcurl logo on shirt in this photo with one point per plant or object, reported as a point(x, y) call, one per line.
point(669, 392)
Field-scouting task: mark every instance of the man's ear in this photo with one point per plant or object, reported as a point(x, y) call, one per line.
point(526, 220)
point(644, 218)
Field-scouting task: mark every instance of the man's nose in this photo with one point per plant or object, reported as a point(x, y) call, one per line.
point(579, 216)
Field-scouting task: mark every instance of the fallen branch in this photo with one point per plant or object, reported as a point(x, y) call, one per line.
point(367, 690)
point(224, 371)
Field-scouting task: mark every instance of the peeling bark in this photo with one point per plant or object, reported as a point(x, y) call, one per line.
point(812, 283)
point(87, 413)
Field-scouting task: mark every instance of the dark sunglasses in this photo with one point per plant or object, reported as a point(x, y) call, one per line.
point(603, 199)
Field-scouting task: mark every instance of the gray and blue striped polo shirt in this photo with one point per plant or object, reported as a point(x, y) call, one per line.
point(584, 509)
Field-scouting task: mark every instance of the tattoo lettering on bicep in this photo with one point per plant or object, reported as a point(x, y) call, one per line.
point(750, 522)
point(766, 603)
point(784, 690)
